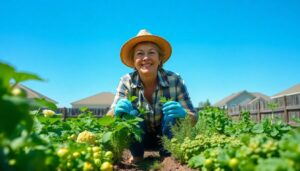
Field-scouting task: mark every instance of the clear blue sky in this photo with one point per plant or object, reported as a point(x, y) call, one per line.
point(219, 47)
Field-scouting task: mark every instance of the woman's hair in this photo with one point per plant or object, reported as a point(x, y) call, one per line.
point(160, 52)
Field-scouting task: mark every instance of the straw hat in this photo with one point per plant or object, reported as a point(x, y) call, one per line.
point(144, 36)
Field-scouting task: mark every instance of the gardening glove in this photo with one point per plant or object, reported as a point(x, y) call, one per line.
point(173, 109)
point(124, 106)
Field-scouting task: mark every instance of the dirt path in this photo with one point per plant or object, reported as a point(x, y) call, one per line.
point(151, 162)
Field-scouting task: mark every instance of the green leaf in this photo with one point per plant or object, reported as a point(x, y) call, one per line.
point(120, 126)
point(24, 76)
point(106, 137)
point(131, 98)
point(274, 132)
point(14, 110)
point(43, 103)
point(137, 134)
point(196, 161)
point(285, 128)
point(142, 110)
point(84, 109)
point(163, 100)
point(37, 126)
point(106, 120)
point(19, 141)
point(258, 128)
point(6, 74)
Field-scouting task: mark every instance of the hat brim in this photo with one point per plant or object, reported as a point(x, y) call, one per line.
point(126, 50)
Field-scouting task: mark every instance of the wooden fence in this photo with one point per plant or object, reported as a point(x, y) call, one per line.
point(286, 108)
point(74, 112)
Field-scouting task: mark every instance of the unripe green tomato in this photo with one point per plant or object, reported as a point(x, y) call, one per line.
point(106, 166)
point(208, 163)
point(96, 149)
point(108, 155)
point(97, 155)
point(97, 162)
point(87, 166)
point(76, 154)
point(233, 163)
point(69, 164)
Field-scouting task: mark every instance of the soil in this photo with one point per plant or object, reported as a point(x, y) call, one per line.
point(151, 162)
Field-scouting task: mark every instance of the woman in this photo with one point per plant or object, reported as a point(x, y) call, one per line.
point(149, 82)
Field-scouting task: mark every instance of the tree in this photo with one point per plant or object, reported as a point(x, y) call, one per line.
point(204, 104)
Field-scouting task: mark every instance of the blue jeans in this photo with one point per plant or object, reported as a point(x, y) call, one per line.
point(152, 140)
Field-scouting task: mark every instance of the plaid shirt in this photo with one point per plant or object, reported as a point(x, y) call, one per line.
point(170, 86)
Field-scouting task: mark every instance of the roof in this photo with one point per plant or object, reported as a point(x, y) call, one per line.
point(227, 99)
point(261, 96)
point(290, 91)
point(224, 101)
point(33, 94)
point(103, 98)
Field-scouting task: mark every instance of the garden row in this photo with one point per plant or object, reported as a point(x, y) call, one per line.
point(217, 142)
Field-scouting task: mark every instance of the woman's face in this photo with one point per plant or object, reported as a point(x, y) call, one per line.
point(146, 58)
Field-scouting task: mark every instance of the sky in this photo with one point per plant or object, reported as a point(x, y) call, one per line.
point(219, 47)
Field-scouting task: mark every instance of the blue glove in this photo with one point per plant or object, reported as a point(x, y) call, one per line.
point(124, 106)
point(173, 109)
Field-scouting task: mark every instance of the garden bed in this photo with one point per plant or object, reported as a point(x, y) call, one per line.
point(152, 161)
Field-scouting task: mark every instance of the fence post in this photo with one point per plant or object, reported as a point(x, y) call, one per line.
point(285, 112)
point(240, 111)
point(64, 114)
point(258, 112)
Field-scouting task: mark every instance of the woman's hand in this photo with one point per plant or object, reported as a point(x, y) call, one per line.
point(124, 106)
point(173, 109)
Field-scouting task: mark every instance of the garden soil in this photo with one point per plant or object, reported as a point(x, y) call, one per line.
point(148, 164)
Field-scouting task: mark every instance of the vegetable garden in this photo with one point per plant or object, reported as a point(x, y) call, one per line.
point(33, 137)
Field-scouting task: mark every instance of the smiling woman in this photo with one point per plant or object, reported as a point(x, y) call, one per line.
point(149, 83)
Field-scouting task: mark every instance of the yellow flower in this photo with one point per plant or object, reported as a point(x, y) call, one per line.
point(86, 137)
point(48, 113)
point(62, 152)
point(16, 91)
point(87, 166)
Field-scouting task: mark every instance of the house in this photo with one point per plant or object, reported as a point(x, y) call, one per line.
point(288, 97)
point(33, 94)
point(295, 90)
point(100, 100)
point(241, 98)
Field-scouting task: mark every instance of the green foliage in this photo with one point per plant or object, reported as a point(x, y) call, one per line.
point(119, 133)
point(213, 119)
point(15, 107)
point(241, 126)
point(217, 142)
point(275, 130)
point(131, 98)
point(24, 76)
point(204, 104)
point(164, 100)
point(41, 140)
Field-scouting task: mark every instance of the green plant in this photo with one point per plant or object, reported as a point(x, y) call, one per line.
point(33, 137)
point(20, 147)
point(119, 132)
point(272, 106)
